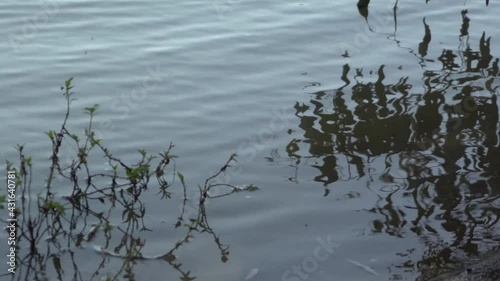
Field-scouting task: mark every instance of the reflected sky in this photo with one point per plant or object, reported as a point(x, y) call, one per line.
point(401, 134)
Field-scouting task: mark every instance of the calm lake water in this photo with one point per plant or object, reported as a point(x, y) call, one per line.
point(373, 132)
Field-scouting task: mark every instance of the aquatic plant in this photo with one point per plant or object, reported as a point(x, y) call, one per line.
point(78, 203)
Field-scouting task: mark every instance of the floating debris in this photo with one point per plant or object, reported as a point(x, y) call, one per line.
point(249, 187)
point(252, 273)
point(363, 266)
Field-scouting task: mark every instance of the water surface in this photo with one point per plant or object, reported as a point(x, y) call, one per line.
point(385, 140)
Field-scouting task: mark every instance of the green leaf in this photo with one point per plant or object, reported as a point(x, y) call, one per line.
point(92, 109)
point(50, 134)
point(95, 141)
point(108, 227)
point(181, 177)
point(3, 199)
point(67, 83)
point(57, 266)
point(55, 206)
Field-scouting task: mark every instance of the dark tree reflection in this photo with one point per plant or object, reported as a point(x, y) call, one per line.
point(435, 152)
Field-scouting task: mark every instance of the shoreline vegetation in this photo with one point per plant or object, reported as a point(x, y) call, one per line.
point(51, 228)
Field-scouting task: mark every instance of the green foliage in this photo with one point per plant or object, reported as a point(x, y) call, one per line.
point(67, 83)
point(51, 135)
point(54, 206)
point(65, 218)
point(91, 110)
point(3, 200)
point(181, 177)
point(135, 174)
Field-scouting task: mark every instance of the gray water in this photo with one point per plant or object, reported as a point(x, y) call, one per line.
point(276, 82)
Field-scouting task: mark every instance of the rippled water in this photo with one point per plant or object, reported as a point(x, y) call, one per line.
point(375, 130)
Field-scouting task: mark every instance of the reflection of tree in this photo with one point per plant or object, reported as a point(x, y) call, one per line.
point(378, 124)
point(424, 46)
point(440, 148)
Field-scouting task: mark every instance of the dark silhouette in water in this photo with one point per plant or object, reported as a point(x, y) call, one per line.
point(486, 268)
point(363, 3)
point(424, 45)
point(439, 145)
